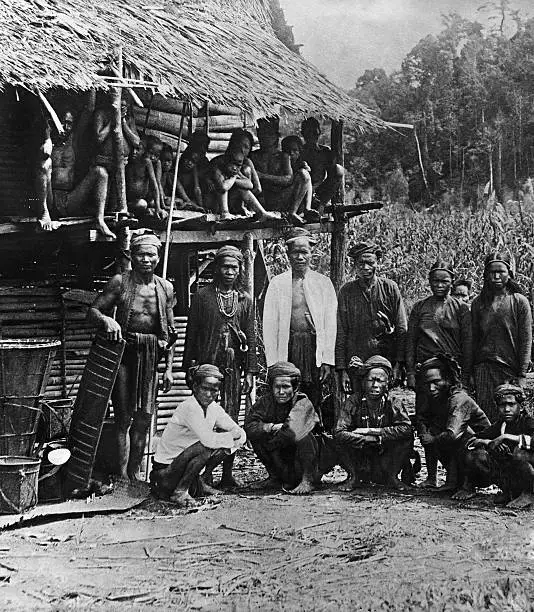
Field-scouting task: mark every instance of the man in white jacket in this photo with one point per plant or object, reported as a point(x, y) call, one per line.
point(299, 318)
point(200, 434)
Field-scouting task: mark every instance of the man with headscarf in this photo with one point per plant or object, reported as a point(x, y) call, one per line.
point(450, 417)
point(373, 431)
point(283, 428)
point(145, 319)
point(199, 435)
point(221, 331)
point(502, 332)
point(299, 317)
point(371, 318)
point(503, 454)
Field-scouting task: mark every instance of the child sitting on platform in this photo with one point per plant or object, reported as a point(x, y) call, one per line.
point(140, 180)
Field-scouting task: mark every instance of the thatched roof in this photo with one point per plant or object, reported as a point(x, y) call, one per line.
point(224, 50)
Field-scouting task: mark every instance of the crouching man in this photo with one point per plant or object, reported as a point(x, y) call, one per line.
point(451, 417)
point(373, 432)
point(199, 435)
point(283, 428)
point(503, 454)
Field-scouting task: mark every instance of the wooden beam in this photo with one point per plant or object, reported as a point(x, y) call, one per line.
point(338, 247)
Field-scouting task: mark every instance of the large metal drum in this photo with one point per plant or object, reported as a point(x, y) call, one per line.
point(24, 371)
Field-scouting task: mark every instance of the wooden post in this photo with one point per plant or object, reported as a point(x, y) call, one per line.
point(248, 268)
point(118, 145)
point(123, 233)
point(248, 286)
point(338, 247)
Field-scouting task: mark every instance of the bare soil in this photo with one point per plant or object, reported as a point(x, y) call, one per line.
point(368, 550)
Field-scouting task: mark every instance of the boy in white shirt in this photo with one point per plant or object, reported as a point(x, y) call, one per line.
point(199, 433)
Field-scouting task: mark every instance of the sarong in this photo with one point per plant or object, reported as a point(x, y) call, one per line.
point(141, 356)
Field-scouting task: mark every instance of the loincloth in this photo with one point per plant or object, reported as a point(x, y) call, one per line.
point(141, 356)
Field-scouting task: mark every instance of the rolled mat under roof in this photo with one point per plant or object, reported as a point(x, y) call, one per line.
point(222, 50)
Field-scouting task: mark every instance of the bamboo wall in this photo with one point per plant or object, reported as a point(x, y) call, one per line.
point(40, 312)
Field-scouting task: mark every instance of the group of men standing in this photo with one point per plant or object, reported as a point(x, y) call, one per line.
point(360, 335)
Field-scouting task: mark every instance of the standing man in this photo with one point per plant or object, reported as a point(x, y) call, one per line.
point(299, 320)
point(145, 319)
point(371, 318)
point(221, 332)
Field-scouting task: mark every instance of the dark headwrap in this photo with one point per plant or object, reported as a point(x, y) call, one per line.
point(496, 257)
point(229, 251)
point(299, 232)
point(509, 389)
point(441, 266)
point(446, 364)
point(144, 239)
point(363, 247)
point(512, 285)
point(282, 368)
point(376, 361)
point(204, 371)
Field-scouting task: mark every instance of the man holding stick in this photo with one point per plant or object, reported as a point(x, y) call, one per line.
point(144, 318)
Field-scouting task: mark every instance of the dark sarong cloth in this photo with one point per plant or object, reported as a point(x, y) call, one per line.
point(141, 356)
point(301, 352)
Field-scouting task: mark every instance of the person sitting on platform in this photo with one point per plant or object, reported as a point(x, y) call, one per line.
point(144, 318)
point(373, 431)
point(156, 202)
point(503, 454)
point(140, 180)
point(285, 188)
point(326, 175)
point(199, 434)
point(450, 417)
point(225, 173)
point(282, 427)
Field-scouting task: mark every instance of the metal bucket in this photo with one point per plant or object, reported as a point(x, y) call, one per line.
point(18, 484)
point(24, 371)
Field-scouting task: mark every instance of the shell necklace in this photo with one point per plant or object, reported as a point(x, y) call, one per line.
point(222, 298)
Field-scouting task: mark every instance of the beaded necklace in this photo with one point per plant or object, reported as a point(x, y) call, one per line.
point(221, 302)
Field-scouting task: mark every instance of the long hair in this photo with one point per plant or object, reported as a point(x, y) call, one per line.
point(486, 295)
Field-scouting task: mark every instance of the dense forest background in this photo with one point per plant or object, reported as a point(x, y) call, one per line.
point(469, 92)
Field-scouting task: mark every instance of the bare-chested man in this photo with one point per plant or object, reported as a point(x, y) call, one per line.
point(299, 318)
point(55, 171)
point(144, 318)
point(285, 188)
point(326, 175)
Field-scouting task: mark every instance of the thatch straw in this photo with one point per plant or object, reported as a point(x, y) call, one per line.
point(224, 50)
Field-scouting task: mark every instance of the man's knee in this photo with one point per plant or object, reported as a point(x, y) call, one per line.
point(340, 172)
point(303, 176)
point(99, 173)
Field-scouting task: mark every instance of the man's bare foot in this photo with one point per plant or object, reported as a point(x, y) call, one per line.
point(204, 490)
point(525, 500)
point(47, 225)
point(104, 229)
point(183, 500)
point(265, 485)
point(295, 219)
point(463, 494)
point(304, 488)
point(349, 485)
point(229, 482)
point(430, 483)
point(268, 216)
point(227, 216)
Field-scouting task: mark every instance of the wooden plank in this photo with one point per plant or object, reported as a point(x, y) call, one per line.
point(90, 409)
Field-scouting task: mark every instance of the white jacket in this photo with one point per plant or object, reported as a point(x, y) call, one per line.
point(322, 302)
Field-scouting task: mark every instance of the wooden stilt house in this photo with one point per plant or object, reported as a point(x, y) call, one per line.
point(220, 62)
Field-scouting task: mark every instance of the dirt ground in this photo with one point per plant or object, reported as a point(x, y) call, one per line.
point(368, 550)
